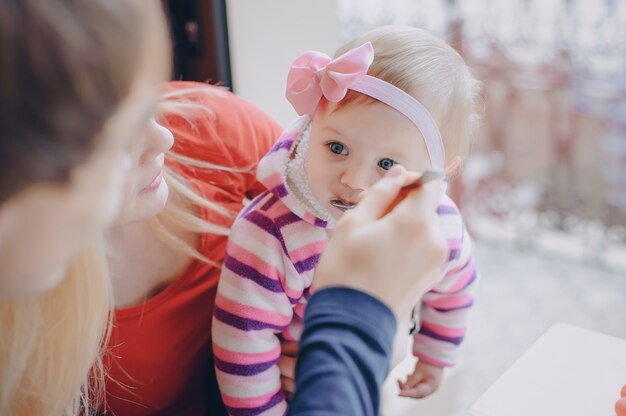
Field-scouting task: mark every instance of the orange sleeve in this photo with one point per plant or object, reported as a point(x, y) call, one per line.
point(231, 132)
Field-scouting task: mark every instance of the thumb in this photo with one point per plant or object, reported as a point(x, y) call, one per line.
point(381, 194)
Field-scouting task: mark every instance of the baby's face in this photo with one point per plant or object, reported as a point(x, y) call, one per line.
point(352, 148)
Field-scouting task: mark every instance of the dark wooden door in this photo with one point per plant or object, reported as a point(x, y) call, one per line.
point(200, 38)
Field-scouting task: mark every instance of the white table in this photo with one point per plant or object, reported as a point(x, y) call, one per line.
point(568, 371)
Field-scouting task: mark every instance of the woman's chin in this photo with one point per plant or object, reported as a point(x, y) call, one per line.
point(146, 206)
point(150, 205)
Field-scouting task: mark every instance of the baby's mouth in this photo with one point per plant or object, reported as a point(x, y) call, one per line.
point(342, 205)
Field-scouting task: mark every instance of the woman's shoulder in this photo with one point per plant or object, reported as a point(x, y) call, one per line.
point(204, 111)
point(212, 125)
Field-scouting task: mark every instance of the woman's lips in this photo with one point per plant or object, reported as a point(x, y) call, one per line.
point(153, 185)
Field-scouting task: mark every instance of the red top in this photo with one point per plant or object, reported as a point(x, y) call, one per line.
point(162, 348)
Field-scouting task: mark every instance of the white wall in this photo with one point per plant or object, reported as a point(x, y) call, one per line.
point(265, 37)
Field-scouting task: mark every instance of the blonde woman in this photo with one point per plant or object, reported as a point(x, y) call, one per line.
point(77, 79)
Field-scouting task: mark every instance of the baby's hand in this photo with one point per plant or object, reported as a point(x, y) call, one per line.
point(287, 366)
point(423, 382)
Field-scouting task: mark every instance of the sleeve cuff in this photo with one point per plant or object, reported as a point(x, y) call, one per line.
point(359, 308)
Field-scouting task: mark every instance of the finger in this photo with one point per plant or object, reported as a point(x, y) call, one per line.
point(413, 182)
point(420, 391)
point(620, 407)
point(380, 195)
point(289, 348)
point(410, 177)
point(413, 380)
point(417, 215)
point(424, 199)
point(623, 391)
point(288, 385)
point(400, 384)
point(287, 366)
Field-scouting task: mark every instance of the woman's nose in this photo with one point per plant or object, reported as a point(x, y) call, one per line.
point(157, 140)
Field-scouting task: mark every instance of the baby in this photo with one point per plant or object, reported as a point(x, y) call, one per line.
point(396, 95)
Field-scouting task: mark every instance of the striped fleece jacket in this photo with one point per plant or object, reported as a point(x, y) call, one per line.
point(266, 279)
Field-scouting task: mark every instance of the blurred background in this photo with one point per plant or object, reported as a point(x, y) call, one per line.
point(544, 191)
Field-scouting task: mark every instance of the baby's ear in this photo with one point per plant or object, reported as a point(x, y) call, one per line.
point(453, 165)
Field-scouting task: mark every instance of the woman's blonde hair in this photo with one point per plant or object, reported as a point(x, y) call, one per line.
point(432, 72)
point(184, 206)
point(67, 65)
point(51, 347)
point(49, 343)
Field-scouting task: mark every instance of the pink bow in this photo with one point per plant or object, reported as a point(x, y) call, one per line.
point(314, 74)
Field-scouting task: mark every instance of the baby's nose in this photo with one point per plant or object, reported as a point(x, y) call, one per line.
point(356, 179)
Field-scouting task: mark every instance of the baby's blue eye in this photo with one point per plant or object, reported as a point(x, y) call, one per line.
point(386, 163)
point(337, 148)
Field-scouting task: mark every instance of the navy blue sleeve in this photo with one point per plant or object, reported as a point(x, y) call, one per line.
point(344, 354)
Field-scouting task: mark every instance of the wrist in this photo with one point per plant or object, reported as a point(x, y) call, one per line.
point(387, 301)
point(352, 301)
